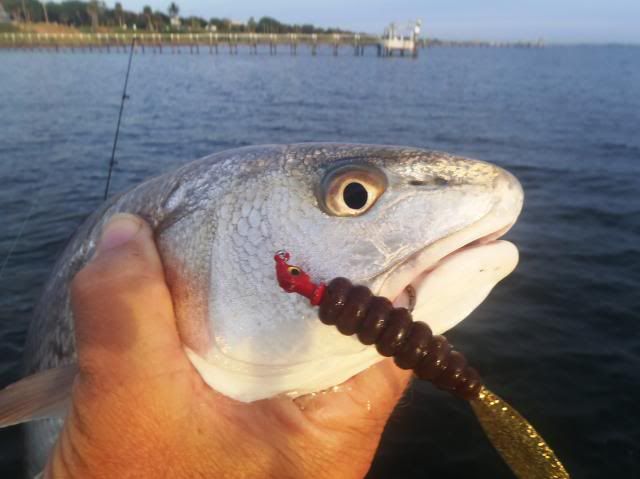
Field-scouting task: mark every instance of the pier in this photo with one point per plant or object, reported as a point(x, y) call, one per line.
point(218, 43)
point(214, 43)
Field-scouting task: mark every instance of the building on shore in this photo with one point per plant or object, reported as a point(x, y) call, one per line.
point(401, 39)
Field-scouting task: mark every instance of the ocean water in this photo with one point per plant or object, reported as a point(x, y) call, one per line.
point(558, 338)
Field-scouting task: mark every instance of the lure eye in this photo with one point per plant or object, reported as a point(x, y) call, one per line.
point(294, 271)
point(351, 190)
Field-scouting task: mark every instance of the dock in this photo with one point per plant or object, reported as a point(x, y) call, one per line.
point(214, 43)
point(388, 44)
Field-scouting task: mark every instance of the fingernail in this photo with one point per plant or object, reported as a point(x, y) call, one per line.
point(119, 230)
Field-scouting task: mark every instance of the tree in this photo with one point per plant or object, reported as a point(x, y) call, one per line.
point(270, 25)
point(119, 11)
point(251, 24)
point(24, 12)
point(147, 13)
point(44, 8)
point(93, 9)
point(160, 19)
point(173, 10)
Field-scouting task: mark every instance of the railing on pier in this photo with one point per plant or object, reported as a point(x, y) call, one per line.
point(212, 40)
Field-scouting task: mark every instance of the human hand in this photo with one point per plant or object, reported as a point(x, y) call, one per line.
point(140, 409)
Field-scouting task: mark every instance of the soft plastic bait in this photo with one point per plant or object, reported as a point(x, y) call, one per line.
point(375, 321)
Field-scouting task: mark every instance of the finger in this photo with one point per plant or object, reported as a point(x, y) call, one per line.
point(122, 307)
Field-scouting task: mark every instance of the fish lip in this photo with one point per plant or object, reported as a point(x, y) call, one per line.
point(410, 288)
point(381, 282)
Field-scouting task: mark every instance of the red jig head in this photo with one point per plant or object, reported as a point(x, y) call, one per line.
point(293, 280)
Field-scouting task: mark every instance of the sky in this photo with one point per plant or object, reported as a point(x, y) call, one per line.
point(564, 21)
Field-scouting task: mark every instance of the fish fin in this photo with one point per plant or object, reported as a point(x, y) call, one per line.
point(519, 444)
point(41, 395)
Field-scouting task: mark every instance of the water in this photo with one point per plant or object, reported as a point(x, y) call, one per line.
point(557, 338)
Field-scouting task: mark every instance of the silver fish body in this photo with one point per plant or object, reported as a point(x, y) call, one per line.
point(426, 219)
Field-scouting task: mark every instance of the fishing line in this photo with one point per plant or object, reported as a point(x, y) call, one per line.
point(112, 162)
point(20, 231)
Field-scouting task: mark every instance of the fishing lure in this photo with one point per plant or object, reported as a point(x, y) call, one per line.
point(375, 321)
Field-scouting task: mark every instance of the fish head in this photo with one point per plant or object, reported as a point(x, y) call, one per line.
point(416, 226)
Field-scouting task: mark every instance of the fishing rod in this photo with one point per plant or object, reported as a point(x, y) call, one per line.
point(112, 162)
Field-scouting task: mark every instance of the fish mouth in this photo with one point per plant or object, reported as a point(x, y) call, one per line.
point(408, 297)
point(443, 282)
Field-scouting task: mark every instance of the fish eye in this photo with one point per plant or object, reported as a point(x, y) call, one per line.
point(351, 190)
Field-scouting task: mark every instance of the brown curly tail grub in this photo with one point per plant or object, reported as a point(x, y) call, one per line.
point(355, 310)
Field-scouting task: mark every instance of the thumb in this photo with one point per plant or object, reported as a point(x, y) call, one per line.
point(122, 308)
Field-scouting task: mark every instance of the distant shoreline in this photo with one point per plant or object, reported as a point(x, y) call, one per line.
point(40, 35)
